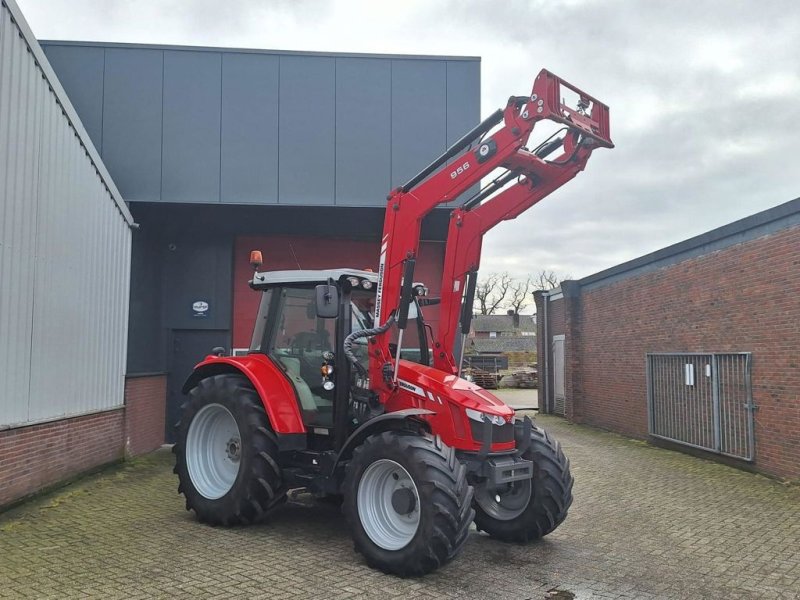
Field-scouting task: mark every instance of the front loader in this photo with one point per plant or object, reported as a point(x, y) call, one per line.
point(348, 393)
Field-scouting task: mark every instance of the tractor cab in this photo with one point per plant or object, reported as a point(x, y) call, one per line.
point(303, 320)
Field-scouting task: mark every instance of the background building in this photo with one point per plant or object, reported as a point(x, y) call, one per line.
point(511, 335)
point(65, 244)
point(221, 151)
point(694, 345)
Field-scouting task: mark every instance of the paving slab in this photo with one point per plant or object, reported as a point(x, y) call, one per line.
point(646, 523)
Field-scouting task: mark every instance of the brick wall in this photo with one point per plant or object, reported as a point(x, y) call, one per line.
point(745, 297)
point(557, 317)
point(145, 397)
point(37, 456)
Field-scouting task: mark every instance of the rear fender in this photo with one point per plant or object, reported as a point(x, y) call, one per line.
point(401, 420)
point(272, 386)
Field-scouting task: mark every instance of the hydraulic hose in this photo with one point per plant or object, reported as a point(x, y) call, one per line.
point(348, 342)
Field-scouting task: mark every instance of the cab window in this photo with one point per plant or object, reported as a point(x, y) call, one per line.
point(297, 342)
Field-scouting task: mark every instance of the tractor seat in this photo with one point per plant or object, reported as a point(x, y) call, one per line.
point(308, 400)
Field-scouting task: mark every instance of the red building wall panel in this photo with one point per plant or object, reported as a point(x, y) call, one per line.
point(285, 253)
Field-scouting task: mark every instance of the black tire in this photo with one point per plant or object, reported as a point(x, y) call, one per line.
point(258, 487)
point(551, 493)
point(445, 502)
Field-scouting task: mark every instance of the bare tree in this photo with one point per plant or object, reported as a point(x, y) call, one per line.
point(499, 290)
point(547, 280)
point(491, 292)
point(520, 294)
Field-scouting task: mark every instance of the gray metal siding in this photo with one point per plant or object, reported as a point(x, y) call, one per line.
point(419, 116)
point(463, 104)
point(463, 97)
point(307, 130)
point(191, 134)
point(64, 248)
point(252, 127)
point(80, 70)
point(363, 128)
point(132, 121)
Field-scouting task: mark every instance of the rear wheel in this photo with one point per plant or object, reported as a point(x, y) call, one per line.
point(527, 510)
point(407, 500)
point(226, 453)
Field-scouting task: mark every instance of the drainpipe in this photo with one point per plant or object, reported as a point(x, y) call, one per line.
point(544, 400)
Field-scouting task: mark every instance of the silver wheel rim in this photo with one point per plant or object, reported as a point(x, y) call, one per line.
point(382, 481)
point(506, 502)
point(213, 451)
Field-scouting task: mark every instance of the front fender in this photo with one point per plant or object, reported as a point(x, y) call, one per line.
point(276, 392)
point(400, 419)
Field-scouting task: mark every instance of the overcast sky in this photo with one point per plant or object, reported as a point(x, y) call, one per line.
point(704, 96)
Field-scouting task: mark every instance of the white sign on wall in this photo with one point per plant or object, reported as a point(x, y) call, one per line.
point(200, 308)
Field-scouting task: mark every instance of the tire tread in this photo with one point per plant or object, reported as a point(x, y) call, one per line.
point(443, 490)
point(261, 490)
point(551, 494)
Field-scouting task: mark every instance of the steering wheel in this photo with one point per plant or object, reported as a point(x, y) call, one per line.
point(308, 341)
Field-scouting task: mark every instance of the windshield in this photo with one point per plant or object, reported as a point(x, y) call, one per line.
point(363, 310)
point(362, 304)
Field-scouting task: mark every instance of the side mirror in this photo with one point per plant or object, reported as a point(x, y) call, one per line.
point(327, 301)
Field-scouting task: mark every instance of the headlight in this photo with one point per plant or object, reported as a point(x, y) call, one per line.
point(480, 417)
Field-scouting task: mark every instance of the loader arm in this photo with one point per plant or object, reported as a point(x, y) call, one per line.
point(533, 179)
point(587, 128)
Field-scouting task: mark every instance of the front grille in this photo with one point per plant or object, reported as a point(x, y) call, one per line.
point(500, 433)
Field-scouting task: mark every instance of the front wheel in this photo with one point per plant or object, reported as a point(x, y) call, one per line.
point(407, 500)
point(527, 510)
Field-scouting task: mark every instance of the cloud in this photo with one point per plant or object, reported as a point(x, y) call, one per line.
point(703, 97)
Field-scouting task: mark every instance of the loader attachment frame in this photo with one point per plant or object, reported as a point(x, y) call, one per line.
point(528, 176)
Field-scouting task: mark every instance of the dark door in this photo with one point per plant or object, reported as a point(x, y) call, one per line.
point(188, 347)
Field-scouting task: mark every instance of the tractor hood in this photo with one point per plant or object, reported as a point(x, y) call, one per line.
point(434, 386)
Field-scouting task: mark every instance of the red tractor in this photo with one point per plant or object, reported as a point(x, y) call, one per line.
point(348, 393)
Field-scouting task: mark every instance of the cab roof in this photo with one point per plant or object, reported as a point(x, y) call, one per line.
point(266, 278)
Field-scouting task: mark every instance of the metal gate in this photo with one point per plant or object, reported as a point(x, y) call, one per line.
point(702, 400)
point(559, 376)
